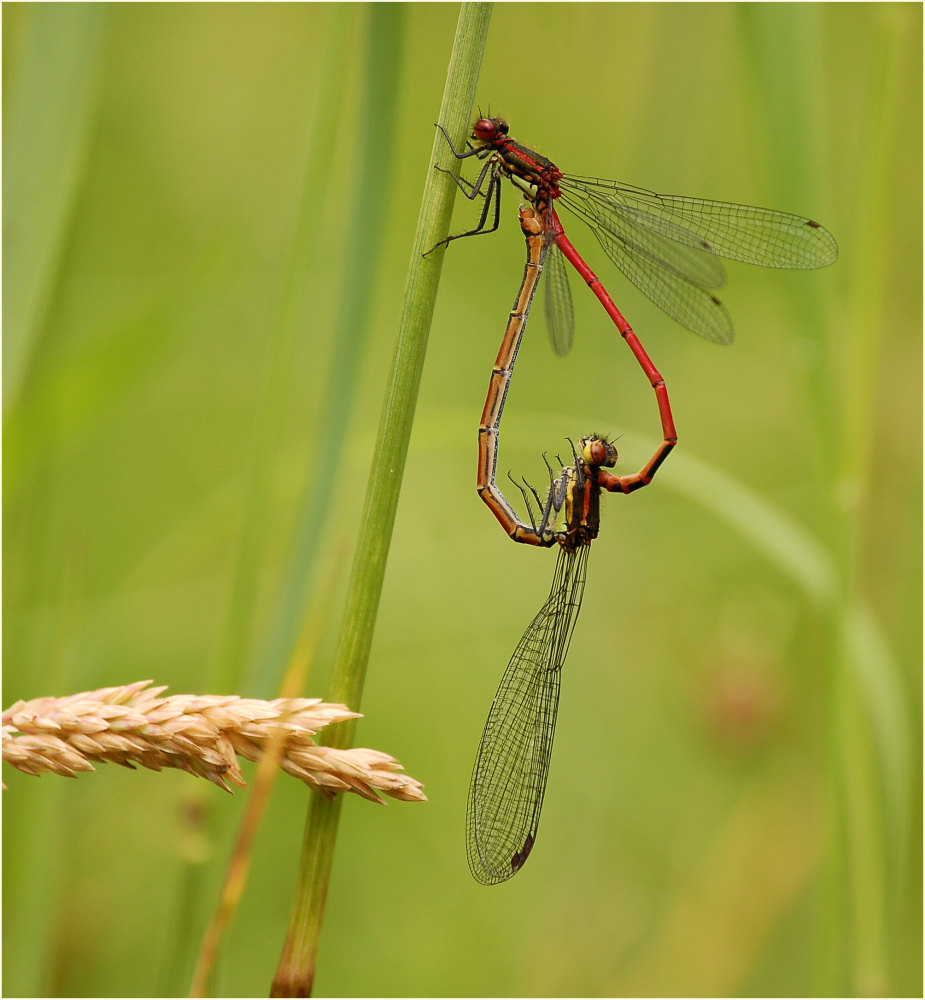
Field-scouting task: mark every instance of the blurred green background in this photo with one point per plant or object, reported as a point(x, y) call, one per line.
point(734, 801)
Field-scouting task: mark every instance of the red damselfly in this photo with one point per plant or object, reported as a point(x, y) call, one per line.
point(509, 777)
point(667, 245)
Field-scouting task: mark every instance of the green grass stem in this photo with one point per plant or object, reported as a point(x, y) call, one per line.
point(868, 731)
point(53, 78)
point(289, 320)
point(51, 102)
point(296, 972)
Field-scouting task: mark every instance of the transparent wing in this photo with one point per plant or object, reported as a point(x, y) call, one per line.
point(560, 317)
point(668, 245)
point(656, 268)
point(509, 778)
point(762, 236)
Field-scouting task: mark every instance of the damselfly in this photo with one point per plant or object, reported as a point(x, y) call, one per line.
point(509, 777)
point(667, 245)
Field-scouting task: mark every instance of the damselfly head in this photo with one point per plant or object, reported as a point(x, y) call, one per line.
point(486, 129)
point(598, 451)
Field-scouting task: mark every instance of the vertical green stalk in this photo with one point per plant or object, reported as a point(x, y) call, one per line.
point(383, 28)
point(864, 772)
point(54, 54)
point(54, 80)
point(866, 727)
point(286, 325)
point(296, 971)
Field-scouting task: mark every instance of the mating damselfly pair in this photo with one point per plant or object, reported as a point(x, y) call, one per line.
point(669, 247)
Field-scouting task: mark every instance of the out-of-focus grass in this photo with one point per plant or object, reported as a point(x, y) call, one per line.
point(733, 803)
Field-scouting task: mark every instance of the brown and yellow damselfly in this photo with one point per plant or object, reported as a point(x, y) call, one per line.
point(509, 777)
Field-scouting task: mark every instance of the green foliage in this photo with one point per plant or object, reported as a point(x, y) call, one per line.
point(209, 219)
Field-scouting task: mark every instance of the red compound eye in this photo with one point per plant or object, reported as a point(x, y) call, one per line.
point(484, 129)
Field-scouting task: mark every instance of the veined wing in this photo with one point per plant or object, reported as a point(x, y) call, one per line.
point(560, 316)
point(509, 778)
point(762, 236)
point(668, 245)
point(677, 277)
